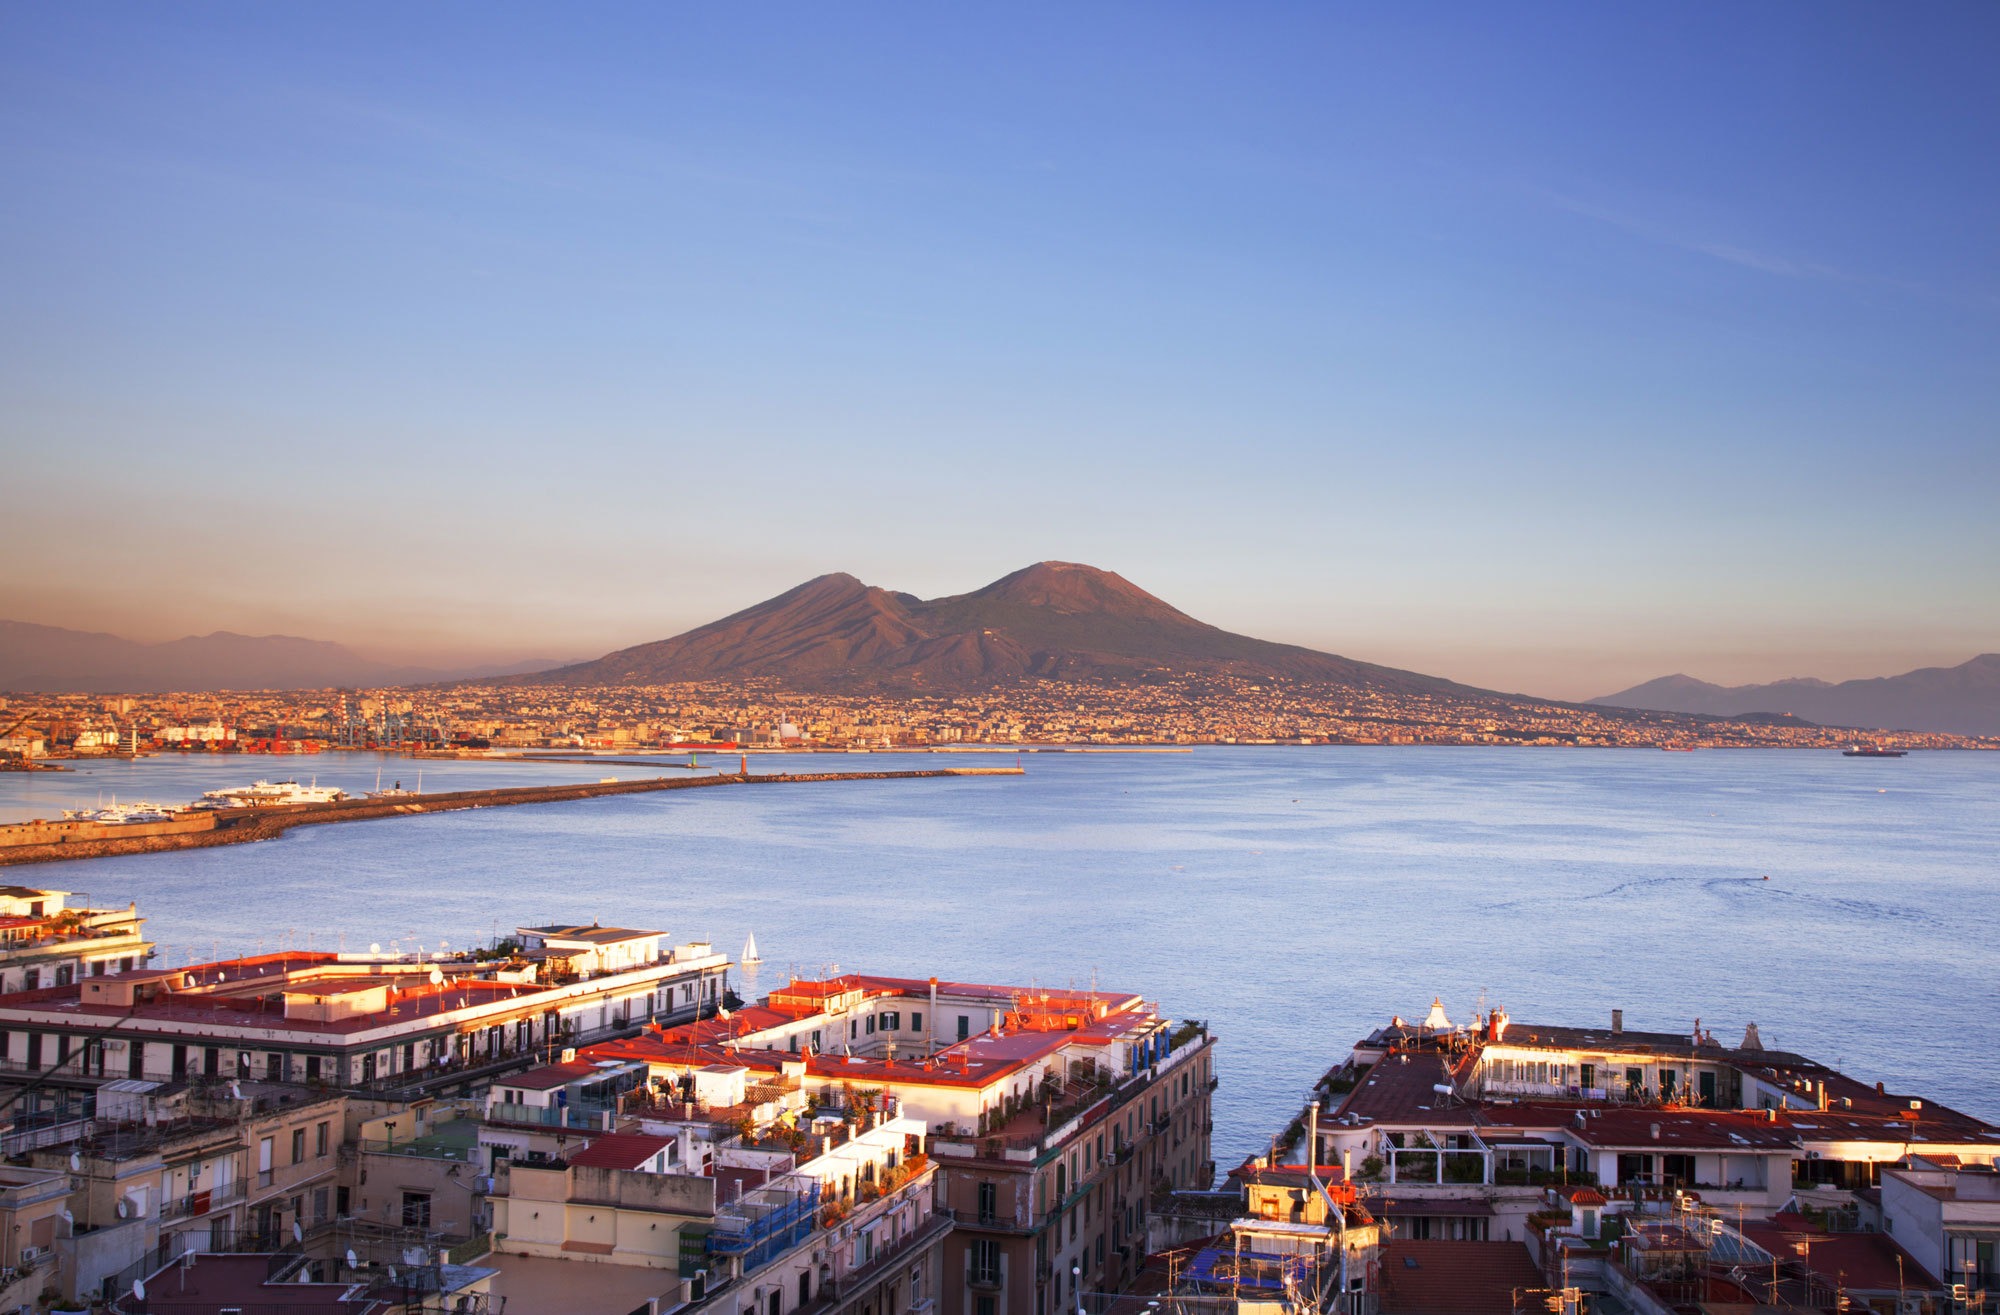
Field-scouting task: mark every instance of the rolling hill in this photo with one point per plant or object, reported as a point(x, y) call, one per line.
point(1962, 700)
point(51, 660)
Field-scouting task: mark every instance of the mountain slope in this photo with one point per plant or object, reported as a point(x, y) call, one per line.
point(1050, 620)
point(1964, 699)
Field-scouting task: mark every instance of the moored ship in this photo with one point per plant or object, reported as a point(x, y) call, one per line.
point(271, 794)
point(117, 814)
point(1871, 751)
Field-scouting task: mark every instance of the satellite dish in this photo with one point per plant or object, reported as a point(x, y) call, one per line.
point(139, 1288)
point(75, 1162)
point(352, 1263)
point(374, 947)
point(124, 1207)
point(67, 1217)
point(437, 977)
point(298, 1234)
point(392, 1273)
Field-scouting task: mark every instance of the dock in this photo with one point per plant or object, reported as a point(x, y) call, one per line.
point(48, 842)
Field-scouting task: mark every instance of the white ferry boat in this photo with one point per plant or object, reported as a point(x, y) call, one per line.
point(116, 814)
point(271, 794)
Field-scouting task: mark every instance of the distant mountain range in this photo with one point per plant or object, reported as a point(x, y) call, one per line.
point(1053, 620)
point(49, 659)
point(1963, 700)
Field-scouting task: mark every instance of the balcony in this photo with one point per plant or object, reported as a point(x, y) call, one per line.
point(195, 1204)
point(986, 1223)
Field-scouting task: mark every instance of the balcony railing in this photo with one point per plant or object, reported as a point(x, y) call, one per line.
point(582, 1115)
point(417, 1150)
point(201, 1203)
point(986, 1223)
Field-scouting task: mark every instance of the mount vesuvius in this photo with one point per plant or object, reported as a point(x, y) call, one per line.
point(1053, 620)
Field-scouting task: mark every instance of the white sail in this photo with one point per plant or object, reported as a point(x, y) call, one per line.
point(750, 949)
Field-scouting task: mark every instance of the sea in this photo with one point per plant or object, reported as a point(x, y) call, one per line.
point(1293, 898)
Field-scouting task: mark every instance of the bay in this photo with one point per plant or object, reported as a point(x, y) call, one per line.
point(1293, 897)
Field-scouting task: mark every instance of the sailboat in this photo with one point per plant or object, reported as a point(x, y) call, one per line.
point(750, 955)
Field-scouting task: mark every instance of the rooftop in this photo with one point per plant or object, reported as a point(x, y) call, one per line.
point(620, 1150)
point(212, 1282)
point(1867, 1261)
point(1455, 1278)
point(591, 934)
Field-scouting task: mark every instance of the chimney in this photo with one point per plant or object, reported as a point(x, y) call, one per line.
point(1822, 1095)
point(1617, 1021)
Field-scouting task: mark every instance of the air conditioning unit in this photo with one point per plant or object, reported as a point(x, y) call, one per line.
point(31, 1253)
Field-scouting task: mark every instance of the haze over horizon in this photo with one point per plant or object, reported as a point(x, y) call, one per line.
point(1548, 357)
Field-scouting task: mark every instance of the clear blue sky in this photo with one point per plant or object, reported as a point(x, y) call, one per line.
point(1547, 347)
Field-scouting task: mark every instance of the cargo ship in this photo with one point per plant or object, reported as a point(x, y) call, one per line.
point(1871, 751)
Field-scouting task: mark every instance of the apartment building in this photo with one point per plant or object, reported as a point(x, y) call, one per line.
point(1948, 1215)
point(1056, 1117)
point(356, 1021)
point(1643, 1161)
point(43, 942)
point(747, 1229)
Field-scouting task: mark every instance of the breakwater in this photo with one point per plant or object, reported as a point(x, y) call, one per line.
point(44, 842)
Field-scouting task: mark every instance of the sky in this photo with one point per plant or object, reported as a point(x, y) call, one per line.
point(1549, 347)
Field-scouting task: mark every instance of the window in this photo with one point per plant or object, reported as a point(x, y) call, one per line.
point(916, 1025)
point(964, 1027)
point(264, 1162)
point(983, 1305)
point(989, 1201)
point(298, 1145)
point(892, 1021)
point(871, 1025)
point(319, 1141)
point(985, 1256)
point(33, 981)
point(416, 1209)
point(319, 1205)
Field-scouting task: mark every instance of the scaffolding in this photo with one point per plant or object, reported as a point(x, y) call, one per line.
point(764, 1223)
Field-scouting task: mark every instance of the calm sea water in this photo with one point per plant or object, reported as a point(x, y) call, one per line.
point(1293, 897)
